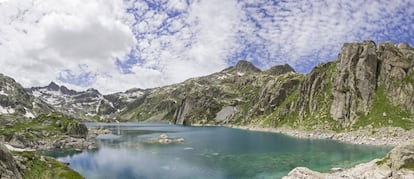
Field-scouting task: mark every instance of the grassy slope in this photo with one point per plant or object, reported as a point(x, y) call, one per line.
point(383, 113)
point(46, 168)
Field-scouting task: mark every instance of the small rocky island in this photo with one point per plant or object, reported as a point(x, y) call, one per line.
point(164, 139)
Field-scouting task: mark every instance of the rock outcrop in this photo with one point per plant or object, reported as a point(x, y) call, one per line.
point(279, 70)
point(14, 101)
point(355, 81)
point(8, 166)
point(401, 157)
point(396, 73)
point(367, 85)
point(47, 132)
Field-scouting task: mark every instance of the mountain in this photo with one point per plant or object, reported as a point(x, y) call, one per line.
point(368, 85)
point(14, 101)
point(234, 95)
point(86, 105)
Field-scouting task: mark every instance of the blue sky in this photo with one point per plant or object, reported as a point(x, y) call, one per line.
point(114, 45)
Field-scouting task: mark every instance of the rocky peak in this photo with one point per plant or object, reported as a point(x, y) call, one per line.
point(67, 91)
point(244, 66)
point(280, 69)
point(93, 91)
point(53, 86)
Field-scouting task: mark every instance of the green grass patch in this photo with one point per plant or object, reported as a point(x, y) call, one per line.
point(48, 168)
point(383, 114)
point(53, 124)
point(409, 166)
point(383, 161)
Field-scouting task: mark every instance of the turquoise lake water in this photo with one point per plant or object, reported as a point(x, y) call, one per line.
point(208, 152)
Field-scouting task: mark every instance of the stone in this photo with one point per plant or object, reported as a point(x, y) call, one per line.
point(303, 173)
point(8, 165)
point(402, 156)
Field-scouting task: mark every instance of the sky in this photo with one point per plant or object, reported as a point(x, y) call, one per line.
point(115, 45)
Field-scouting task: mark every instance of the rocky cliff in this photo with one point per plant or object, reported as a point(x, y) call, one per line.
point(368, 85)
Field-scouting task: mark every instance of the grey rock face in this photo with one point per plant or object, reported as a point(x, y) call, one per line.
point(246, 67)
point(225, 114)
point(15, 101)
point(8, 166)
point(183, 111)
point(402, 156)
point(314, 94)
point(396, 73)
point(354, 82)
point(279, 70)
point(273, 94)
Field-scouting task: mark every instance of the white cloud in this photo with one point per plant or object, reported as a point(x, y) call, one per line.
point(42, 39)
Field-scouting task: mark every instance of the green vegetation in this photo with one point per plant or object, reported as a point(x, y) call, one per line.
point(383, 161)
point(41, 167)
point(383, 113)
point(409, 166)
point(49, 126)
point(409, 78)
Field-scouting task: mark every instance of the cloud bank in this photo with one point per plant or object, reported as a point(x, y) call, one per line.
point(114, 45)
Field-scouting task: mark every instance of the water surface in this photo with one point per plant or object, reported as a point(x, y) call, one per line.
point(209, 152)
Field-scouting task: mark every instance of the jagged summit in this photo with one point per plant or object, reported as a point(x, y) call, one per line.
point(279, 69)
point(93, 90)
point(244, 66)
point(53, 87)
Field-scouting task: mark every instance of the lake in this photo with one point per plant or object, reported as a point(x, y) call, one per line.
point(208, 152)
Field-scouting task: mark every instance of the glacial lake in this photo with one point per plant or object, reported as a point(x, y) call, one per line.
point(208, 152)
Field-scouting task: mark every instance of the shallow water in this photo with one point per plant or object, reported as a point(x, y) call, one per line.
point(209, 152)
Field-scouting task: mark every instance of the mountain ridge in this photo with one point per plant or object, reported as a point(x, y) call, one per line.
point(337, 95)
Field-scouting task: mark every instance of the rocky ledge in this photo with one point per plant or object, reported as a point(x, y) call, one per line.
point(21, 163)
point(399, 163)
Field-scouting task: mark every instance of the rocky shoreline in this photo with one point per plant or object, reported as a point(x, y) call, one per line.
point(398, 163)
point(386, 136)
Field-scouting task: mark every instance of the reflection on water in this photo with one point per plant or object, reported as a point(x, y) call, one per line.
point(209, 152)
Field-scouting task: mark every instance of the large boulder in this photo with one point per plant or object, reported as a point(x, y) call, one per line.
point(402, 156)
point(303, 173)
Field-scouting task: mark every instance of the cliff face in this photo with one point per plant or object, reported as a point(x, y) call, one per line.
point(367, 85)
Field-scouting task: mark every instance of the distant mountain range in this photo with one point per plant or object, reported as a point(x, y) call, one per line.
point(368, 85)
